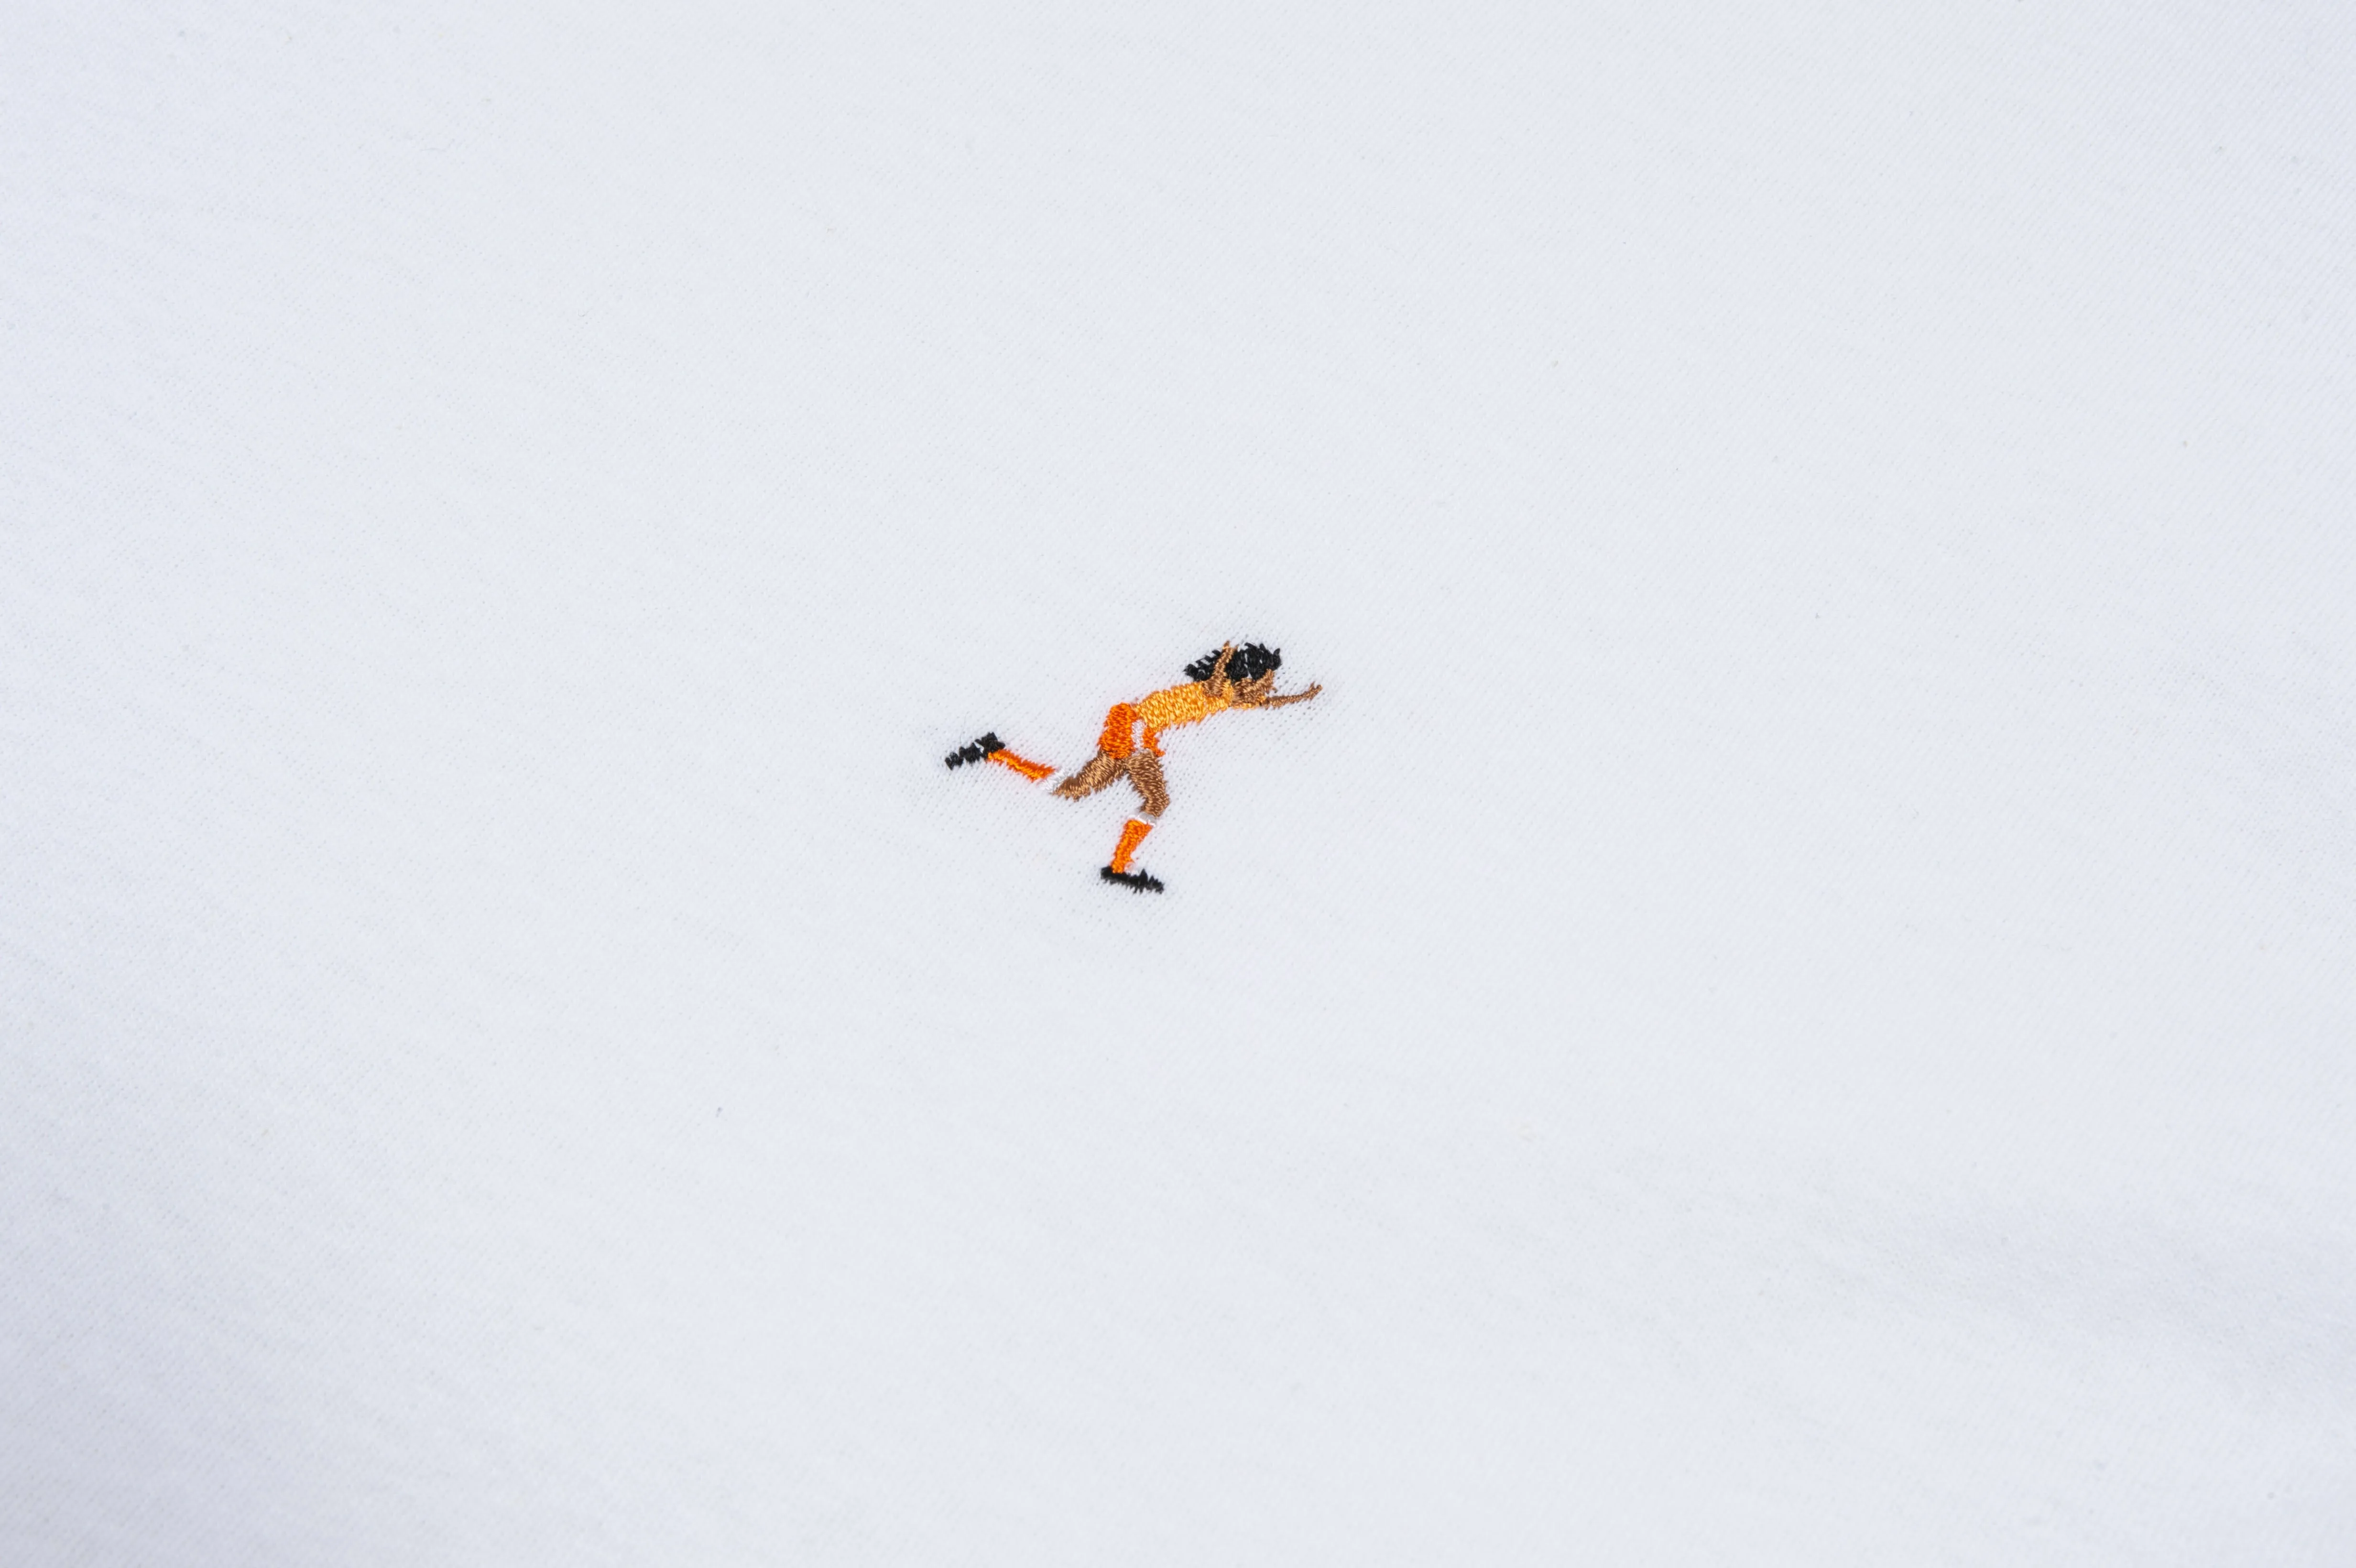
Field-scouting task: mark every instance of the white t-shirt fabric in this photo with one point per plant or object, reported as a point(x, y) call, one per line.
point(1789, 1002)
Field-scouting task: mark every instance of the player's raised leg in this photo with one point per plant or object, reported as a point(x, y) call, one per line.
point(991, 748)
point(1030, 770)
point(1099, 772)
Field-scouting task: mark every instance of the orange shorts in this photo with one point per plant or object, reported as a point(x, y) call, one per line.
point(1120, 727)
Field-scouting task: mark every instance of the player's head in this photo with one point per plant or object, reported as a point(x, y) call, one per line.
point(1251, 665)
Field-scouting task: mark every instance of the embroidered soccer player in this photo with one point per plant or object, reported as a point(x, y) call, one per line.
point(1232, 677)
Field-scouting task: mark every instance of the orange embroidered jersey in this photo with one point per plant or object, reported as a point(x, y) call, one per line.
point(1165, 710)
point(1188, 704)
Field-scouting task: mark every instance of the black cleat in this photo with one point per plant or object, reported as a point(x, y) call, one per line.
point(975, 749)
point(1141, 882)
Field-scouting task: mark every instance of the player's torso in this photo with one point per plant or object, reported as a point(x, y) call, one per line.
point(1178, 704)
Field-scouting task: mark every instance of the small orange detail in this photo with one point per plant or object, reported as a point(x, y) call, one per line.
point(1132, 835)
point(1030, 770)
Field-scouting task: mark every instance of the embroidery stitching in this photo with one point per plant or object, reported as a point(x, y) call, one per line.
point(991, 748)
point(1130, 744)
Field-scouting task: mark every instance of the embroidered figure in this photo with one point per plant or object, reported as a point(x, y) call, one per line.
point(1131, 746)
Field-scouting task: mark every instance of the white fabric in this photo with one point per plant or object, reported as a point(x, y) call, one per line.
point(1790, 1003)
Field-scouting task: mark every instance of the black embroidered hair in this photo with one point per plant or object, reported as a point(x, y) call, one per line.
point(1249, 662)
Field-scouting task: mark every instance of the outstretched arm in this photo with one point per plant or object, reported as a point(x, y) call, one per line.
point(1296, 697)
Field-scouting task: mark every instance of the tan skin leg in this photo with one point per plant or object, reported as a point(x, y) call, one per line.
point(1141, 769)
point(1098, 772)
point(1145, 773)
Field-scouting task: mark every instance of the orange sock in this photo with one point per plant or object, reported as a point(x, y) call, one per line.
point(1030, 770)
point(1132, 835)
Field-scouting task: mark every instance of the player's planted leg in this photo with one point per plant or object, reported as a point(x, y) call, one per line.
point(1132, 834)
